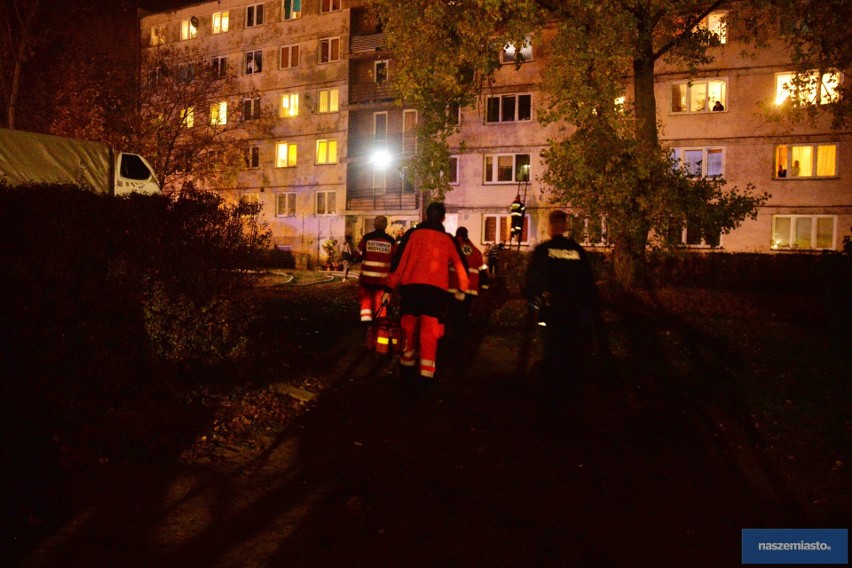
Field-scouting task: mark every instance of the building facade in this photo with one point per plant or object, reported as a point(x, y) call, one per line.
point(336, 153)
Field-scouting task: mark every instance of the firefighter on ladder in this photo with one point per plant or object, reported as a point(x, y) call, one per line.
point(421, 272)
point(376, 251)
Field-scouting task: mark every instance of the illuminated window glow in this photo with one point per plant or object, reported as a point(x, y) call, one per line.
point(285, 155)
point(700, 95)
point(289, 105)
point(326, 151)
point(329, 100)
point(717, 24)
point(292, 9)
point(188, 30)
point(188, 117)
point(510, 53)
point(808, 89)
point(805, 160)
point(221, 22)
point(803, 232)
point(219, 114)
point(158, 35)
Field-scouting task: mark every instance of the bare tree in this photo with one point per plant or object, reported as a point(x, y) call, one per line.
point(18, 40)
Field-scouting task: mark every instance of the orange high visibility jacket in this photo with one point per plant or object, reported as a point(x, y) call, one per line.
point(426, 259)
point(376, 250)
point(475, 263)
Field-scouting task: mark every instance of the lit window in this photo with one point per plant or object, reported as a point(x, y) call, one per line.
point(699, 96)
point(329, 49)
point(497, 229)
point(326, 151)
point(254, 15)
point(803, 232)
point(409, 131)
point(701, 162)
point(717, 24)
point(289, 105)
point(289, 56)
point(326, 203)
point(510, 53)
point(158, 35)
point(506, 168)
point(380, 72)
point(292, 9)
point(285, 204)
point(189, 29)
point(251, 108)
point(254, 62)
point(805, 160)
point(221, 22)
point(508, 108)
point(219, 114)
point(329, 100)
point(329, 6)
point(807, 88)
point(285, 155)
point(220, 66)
point(252, 157)
point(188, 117)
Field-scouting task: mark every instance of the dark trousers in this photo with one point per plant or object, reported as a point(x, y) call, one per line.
point(562, 352)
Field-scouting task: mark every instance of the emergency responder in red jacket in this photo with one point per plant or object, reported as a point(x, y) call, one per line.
point(422, 272)
point(474, 261)
point(376, 251)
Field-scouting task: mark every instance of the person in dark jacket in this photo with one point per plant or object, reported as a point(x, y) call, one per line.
point(560, 285)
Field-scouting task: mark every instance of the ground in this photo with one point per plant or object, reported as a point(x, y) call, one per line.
point(717, 411)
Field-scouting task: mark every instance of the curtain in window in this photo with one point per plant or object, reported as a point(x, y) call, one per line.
point(803, 159)
point(826, 156)
point(714, 163)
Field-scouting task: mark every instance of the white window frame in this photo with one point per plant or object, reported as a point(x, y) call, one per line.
point(717, 24)
point(789, 172)
point(709, 103)
point(250, 62)
point(220, 64)
point(219, 113)
point(252, 157)
point(825, 89)
point(254, 107)
point(220, 22)
point(453, 174)
point(507, 54)
point(328, 101)
point(294, 14)
point(187, 30)
point(327, 43)
point(587, 221)
point(158, 35)
point(327, 151)
point(380, 181)
point(289, 205)
point(377, 135)
point(290, 154)
point(495, 160)
point(791, 236)
point(257, 16)
point(285, 55)
point(381, 64)
point(503, 225)
point(499, 98)
point(322, 196)
point(678, 154)
point(288, 105)
point(409, 135)
point(333, 6)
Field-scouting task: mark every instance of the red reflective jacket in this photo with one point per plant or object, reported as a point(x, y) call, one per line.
point(426, 259)
point(376, 250)
point(474, 264)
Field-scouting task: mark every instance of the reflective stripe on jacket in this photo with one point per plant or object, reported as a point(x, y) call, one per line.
point(376, 250)
point(475, 264)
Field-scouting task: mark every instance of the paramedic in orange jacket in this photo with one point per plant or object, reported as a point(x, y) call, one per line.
point(376, 250)
point(421, 271)
point(475, 263)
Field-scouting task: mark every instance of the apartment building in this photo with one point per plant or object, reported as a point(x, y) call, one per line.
point(338, 150)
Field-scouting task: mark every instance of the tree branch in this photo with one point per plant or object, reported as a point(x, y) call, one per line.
point(690, 24)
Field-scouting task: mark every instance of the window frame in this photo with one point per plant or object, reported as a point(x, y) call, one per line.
point(679, 151)
point(383, 64)
point(814, 232)
point(220, 63)
point(503, 227)
point(289, 209)
point(252, 157)
point(721, 24)
point(251, 57)
point(708, 107)
point(258, 17)
point(526, 52)
point(187, 30)
point(325, 194)
point(809, 96)
point(291, 109)
point(158, 35)
point(253, 105)
point(329, 107)
point(376, 116)
point(453, 173)
point(495, 168)
point(500, 110)
point(290, 48)
point(814, 166)
point(187, 118)
point(330, 42)
point(330, 143)
point(291, 153)
point(219, 117)
point(294, 14)
point(224, 22)
point(409, 136)
point(331, 6)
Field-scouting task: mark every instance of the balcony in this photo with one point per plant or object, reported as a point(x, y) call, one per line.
point(366, 43)
point(373, 199)
point(369, 92)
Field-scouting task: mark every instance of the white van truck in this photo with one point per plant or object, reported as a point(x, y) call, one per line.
point(29, 157)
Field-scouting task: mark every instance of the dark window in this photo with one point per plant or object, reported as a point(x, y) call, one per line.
point(132, 167)
point(493, 110)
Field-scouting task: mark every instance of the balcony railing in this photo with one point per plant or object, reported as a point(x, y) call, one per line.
point(366, 43)
point(358, 199)
point(369, 92)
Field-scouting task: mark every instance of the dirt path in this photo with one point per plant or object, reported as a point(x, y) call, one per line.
point(632, 472)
